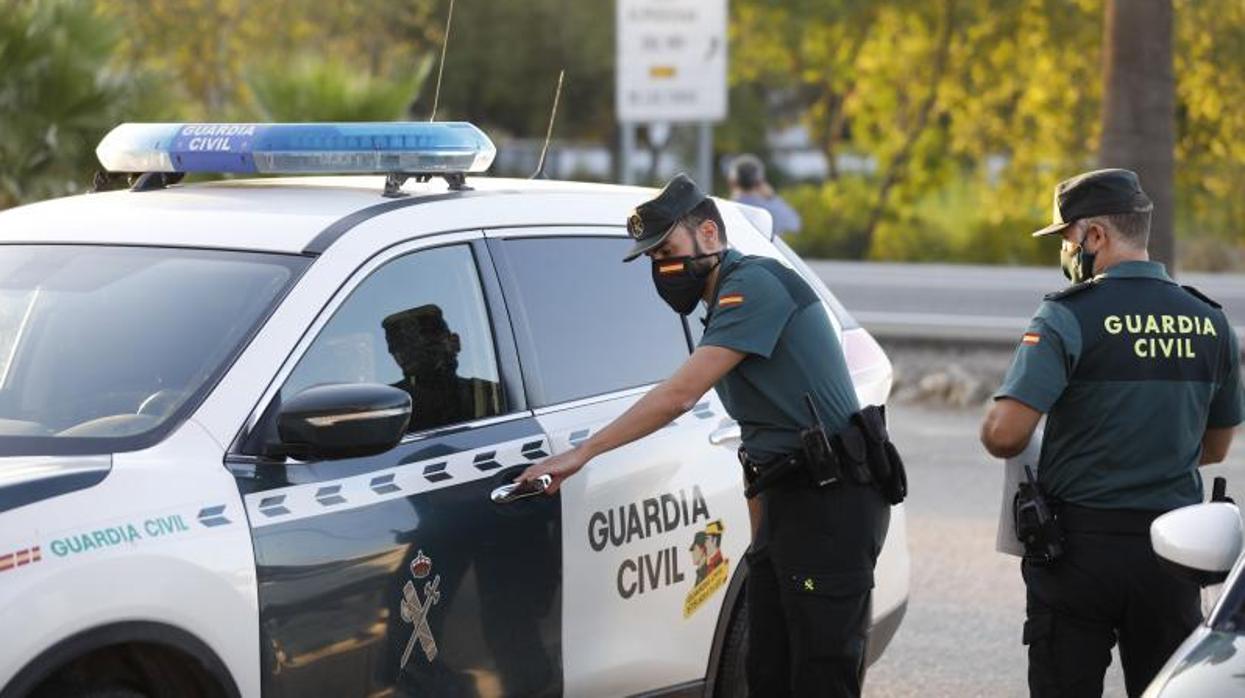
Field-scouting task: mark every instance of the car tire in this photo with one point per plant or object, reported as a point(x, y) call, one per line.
point(732, 680)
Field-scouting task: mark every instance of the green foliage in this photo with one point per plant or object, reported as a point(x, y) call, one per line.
point(316, 89)
point(946, 224)
point(503, 62)
point(966, 111)
point(56, 96)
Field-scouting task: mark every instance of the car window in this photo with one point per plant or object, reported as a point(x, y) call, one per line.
point(591, 323)
point(103, 349)
point(418, 323)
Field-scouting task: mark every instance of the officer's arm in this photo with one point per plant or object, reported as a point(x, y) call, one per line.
point(1008, 427)
point(677, 395)
point(1215, 444)
point(659, 407)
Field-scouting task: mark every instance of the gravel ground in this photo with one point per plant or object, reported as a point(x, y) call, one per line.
point(961, 636)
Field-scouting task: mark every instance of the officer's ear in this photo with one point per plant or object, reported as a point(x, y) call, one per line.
point(707, 233)
point(1097, 233)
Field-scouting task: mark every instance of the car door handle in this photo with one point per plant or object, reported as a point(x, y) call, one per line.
point(730, 432)
point(521, 490)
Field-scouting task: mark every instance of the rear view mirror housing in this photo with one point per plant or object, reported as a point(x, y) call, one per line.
point(1200, 542)
point(348, 420)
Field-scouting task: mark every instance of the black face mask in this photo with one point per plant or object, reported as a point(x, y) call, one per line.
point(1078, 263)
point(681, 281)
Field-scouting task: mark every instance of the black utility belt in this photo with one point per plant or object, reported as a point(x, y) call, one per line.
point(860, 454)
point(1074, 518)
point(1043, 522)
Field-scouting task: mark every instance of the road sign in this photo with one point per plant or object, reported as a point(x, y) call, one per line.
point(671, 60)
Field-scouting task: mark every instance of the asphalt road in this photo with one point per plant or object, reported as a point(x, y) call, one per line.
point(947, 301)
point(961, 636)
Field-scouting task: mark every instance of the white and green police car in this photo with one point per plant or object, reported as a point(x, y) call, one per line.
point(256, 436)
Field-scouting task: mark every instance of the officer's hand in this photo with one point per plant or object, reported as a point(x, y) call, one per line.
point(558, 467)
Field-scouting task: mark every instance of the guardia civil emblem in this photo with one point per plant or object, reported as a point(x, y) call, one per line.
point(635, 225)
point(712, 569)
point(415, 608)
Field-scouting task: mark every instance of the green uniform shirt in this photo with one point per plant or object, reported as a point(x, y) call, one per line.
point(767, 311)
point(1131, 369)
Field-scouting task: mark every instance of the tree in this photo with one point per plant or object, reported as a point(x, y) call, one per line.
point(210, 50)
point(986, 102)
point(324, 89)
point(1138, 108)
point(57, 96)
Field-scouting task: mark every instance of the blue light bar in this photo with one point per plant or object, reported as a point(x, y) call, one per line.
point(346, 148)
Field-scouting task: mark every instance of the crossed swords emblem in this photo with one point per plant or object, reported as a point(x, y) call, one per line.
point(415, 610)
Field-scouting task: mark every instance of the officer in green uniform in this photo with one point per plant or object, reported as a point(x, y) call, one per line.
point(767, 342)
point(1140, 382)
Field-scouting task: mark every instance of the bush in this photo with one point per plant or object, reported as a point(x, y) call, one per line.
point(57, 98)
point(835, 215)
point(966, 221)
point(325, 89)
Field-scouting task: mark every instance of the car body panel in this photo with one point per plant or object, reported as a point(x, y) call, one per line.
point(209, 585)
point(162, 539)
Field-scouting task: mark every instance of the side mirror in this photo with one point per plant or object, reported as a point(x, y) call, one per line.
point(1200, 542)
point(345, 420)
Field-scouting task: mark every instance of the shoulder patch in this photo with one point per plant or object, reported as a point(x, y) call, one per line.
point(1072, 290)
point(731, 299)
point(1203, 297)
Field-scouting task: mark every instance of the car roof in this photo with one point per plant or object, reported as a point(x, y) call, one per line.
point(277, 215)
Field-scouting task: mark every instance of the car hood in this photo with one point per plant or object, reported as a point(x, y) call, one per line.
point(28, 479)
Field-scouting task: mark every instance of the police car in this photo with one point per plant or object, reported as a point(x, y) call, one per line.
point(257, 436)
point(1204, 542)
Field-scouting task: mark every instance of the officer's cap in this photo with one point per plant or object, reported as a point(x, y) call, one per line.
point(652, 221)
point(1097, 193)
point(425, 320)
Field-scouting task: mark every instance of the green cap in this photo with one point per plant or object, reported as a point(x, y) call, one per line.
point(1097, 193)
point(652, 221)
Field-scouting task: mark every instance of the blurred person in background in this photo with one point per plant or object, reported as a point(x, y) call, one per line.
point(749, 186)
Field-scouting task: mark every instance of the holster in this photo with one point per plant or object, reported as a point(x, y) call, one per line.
point(759, 476)
point(861, 453)
point(1037, 526)
point(881, 459)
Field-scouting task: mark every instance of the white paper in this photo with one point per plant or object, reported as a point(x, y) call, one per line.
point(1013, 474)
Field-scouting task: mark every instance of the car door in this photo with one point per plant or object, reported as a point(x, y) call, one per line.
point(396, 574)
point(652, 531)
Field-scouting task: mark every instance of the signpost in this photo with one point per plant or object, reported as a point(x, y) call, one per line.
point(671, 67)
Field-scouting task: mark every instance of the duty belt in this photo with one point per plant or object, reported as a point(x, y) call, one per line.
point(1078, 519)
point(762, 474)
point(759, 475)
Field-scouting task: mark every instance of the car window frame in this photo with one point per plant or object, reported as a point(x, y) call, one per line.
point(495, 235)
point(297, 264)
point(248, 444)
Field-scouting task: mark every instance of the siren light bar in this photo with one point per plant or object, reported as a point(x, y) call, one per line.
point(414, 148)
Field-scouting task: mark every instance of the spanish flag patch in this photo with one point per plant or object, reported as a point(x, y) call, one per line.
point(1031, 338)
point(670, 268)
point(731, 299)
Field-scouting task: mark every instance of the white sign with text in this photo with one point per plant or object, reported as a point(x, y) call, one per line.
point(671, 60)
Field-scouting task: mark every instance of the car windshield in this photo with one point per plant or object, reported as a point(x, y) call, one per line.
point(105, 349)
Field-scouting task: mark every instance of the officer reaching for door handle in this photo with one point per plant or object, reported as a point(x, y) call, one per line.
point(769, 347)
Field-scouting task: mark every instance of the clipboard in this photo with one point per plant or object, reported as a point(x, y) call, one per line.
point(1005, 540)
